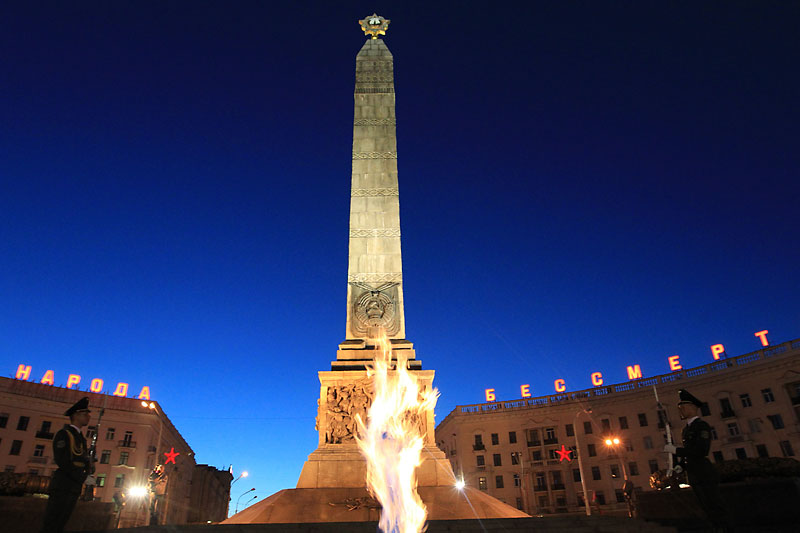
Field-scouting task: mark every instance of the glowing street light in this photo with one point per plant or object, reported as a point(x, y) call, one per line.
point(460, 484)
point(240, 497)
point(243, 474)
point(612, 442)
point(138, 492)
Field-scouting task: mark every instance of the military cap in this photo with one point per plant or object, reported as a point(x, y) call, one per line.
point(80, 405)
point(686, 397)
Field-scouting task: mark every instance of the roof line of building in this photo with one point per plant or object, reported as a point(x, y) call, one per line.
point(603, 390)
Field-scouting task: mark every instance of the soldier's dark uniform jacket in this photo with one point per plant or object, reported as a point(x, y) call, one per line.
point(71, 454)
point(694, 453)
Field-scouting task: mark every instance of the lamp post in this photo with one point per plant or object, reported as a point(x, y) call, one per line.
point(248, 502)
point(240, 497)
point(614, 442)
point(243, 474)
point(522, 480)
point(580, 463)
point(152, 407)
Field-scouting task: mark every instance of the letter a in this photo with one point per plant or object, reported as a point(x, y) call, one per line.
point(23, 372)
point(48, 378)
point(122, 389)
point(634, 372)
point(145, 394)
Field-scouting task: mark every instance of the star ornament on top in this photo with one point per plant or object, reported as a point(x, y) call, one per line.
point(563, 453)
point(374, 25)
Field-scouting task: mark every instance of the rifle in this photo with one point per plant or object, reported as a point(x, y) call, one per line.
point(662, 415)
point(91, 481)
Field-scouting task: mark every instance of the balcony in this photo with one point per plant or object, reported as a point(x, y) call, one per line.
point(727, 414)
point(38, 459)
point(532, 443)
point(44, 435)
point(478, 447)
point(539, 487)
point(558, 486)
point(554, 440)
point(127, 444)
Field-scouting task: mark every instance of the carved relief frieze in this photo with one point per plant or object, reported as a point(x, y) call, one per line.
point(375, 277)
point(374, 122)
point(389, 191)
point(375, 232)
point(374, 307)
point(343, 404)
point(374, 155)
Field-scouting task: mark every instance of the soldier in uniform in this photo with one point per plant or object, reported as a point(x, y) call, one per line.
point(71, 454)
point(701, 474)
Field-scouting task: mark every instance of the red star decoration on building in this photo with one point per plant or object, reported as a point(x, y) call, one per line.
point(563, 453)
point(172, 454)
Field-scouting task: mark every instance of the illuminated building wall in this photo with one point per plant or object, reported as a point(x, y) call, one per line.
point(508, 448)
point(31, 413)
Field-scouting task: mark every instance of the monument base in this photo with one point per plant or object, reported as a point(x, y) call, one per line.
point(355, 505)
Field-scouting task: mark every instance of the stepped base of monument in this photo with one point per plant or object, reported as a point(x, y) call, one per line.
point(356, 505)
point(547, 524)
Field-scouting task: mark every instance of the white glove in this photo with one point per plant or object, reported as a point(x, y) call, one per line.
point(670, 448)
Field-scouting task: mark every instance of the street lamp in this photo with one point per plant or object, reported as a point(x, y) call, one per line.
point(580, 462)
point(614, 443)
point(248, 502)
point(522, 480)
point(240, 497)
point(152, 407)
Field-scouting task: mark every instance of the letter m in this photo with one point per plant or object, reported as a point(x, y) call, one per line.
point(634, 372)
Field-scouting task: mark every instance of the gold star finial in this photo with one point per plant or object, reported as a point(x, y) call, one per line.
point(374, 25)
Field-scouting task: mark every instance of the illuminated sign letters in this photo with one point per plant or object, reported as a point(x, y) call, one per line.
point(96, 385)
point(634, 372)
point(561, 385)
point(490, 395)
point(763, 336)
point(525, 390)
point(597, 379)
point(674, 363)
point(716, 350)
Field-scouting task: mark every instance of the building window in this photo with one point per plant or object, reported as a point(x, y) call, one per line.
point(606, 425)
point(786, 448)
point(653, 464)
point(614, 471)
point(34, 471)
point(587, 427)
point(777, 421)
point(713, 432)
point(123, 458)
point(512, 437)
point(768, 396)
point(128, 438)
point(105, 457)
point(38, 450)
point(745, 398)
point(516, 480)
point(16, 446)
point(519, 503)
point(497, 459)
point(633, 469)
point(570, 430)
point(482, 483)
point(558, 482)
point(718, 457)
point(541, 481)
point(642, 420)
point(726, 408)
point(10, 469)
point(101, 480)
point(550, 436)
point(495, 439)
point(628, 445)
point(576, 475)
point(481, 460)
point(110, 434)
point(704, 409)
point(22, 425)
point(620, 495)
point(561, 501)
point(551, 454)
point(46, 425)
point(536, 455)
point(600, 497)
point(741, 453)
point(761, 450)
point(3, 420)
point(755, 425)
point(533, 437)
point(119, 480)
point(596, 473)
point(733, 429)
point(592, 450)
point(514, 458)
point(498, 482)
point(623, 422)
point(648, 443)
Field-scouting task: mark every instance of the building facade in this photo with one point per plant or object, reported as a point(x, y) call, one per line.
point(523, 452)
point(132, 434)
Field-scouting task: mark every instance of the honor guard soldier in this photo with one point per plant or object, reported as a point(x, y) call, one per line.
point(701, 474)
point(71, 454)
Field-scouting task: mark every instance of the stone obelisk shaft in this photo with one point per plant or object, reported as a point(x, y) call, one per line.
point(375, 272)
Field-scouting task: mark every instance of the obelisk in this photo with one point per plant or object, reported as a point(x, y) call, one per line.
point(332, 486)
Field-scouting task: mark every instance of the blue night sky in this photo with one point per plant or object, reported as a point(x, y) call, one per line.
point(584, 185)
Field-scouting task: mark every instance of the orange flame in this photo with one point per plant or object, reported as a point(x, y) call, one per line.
point(392, 440)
